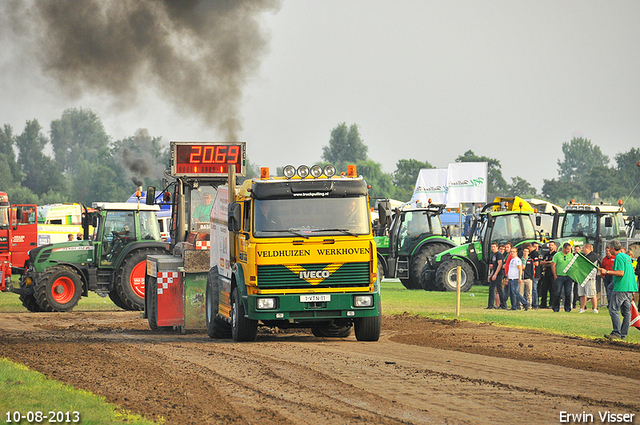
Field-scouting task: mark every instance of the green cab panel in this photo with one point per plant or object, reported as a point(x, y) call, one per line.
point(68, 252)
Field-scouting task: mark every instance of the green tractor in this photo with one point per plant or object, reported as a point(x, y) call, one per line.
point(111, 262)
point(492, 225)
point(405, 241)
point(594, 224)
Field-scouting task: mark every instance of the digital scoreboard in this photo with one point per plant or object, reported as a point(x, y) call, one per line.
point(207, 159)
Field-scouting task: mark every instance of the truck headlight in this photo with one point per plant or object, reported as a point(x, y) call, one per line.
point(363, 301)
point(266, 303)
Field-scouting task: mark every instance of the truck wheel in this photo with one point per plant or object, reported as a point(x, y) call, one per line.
point(59, 289)
point(30, 303)
point(446, 275)
point(113, 295)
point(380, 271)
point(331, 330)
point(216, 327)
point(129, 282)
point(368, 328)
point(242, 329)
point(152, 306)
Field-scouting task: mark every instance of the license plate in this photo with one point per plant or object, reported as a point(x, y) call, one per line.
point(315, 298)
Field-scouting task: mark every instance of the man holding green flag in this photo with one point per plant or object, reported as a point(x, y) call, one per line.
point(624, 285)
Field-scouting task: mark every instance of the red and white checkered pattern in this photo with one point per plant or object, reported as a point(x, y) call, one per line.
point(203, 245)
point(164, 279)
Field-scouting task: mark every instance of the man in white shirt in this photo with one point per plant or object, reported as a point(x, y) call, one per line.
point(514, 275)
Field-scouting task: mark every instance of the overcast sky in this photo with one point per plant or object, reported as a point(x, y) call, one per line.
point(422, 79)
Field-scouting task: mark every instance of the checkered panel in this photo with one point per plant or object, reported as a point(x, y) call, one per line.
point(203, 245)
point(164, 279)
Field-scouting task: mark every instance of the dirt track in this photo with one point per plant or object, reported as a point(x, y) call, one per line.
point(421, 371)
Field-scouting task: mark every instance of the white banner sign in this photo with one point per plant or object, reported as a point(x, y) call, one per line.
point(467, 183)
point(462, 182)
point(431, 184)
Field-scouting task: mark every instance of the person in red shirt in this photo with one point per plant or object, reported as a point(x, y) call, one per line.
point(607, 280)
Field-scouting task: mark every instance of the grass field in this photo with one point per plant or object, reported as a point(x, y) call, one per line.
point(30, 391)
point(442, 305)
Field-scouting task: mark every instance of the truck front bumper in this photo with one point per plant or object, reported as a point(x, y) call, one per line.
point(299, 307)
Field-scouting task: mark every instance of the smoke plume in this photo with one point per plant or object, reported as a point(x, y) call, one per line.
point(197, 53)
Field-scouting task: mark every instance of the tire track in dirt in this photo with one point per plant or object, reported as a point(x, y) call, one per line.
point(417, 373)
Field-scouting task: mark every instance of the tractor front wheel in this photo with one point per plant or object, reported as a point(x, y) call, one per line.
point(59, 289)
point(447, 275)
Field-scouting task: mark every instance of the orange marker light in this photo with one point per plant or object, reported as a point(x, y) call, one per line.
point(351, 171)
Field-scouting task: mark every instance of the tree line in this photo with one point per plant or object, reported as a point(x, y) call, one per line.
point(77, 161)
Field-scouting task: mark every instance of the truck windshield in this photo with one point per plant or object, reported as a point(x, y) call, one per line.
point(4, 216)
point(311, 217)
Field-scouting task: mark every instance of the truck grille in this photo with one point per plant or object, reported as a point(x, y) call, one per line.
point(348, 274)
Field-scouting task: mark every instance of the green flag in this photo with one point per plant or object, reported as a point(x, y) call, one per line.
point(580, 269)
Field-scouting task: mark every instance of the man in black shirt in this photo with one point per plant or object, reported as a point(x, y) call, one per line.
point(496, 272)
point(537, 272)
point(588, 290)
point(546, 285)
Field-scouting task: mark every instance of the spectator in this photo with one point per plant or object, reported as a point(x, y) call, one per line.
point(624, 285)
point(607, 279)
point(535, 256)
point(79, 236)
point(515, 279)
point(505, 281)
point(588, 290)
point(527, 274)
point(495, 278)
point(574, 300)
point(546, 286)
point(562, 282)
point(70, 237)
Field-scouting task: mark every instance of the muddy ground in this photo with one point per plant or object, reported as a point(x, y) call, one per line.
point(421, 371)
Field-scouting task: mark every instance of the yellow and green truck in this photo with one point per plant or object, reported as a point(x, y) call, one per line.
point(287, 252)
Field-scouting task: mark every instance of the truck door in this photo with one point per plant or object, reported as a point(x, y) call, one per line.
point(23, 232)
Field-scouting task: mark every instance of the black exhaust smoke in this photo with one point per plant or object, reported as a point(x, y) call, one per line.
point(197, 53)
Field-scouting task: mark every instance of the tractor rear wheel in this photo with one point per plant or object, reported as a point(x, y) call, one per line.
point(30, 303)
point(129, 281)
point(216, 327)
point(113, 295)
point(447, 275)
point(430, 251)
point(59, 289)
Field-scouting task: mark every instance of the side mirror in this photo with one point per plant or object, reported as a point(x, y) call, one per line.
point(384, 213)
point(235, 217)
point(151, 195)
point(608, 222)
point(19, 215)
